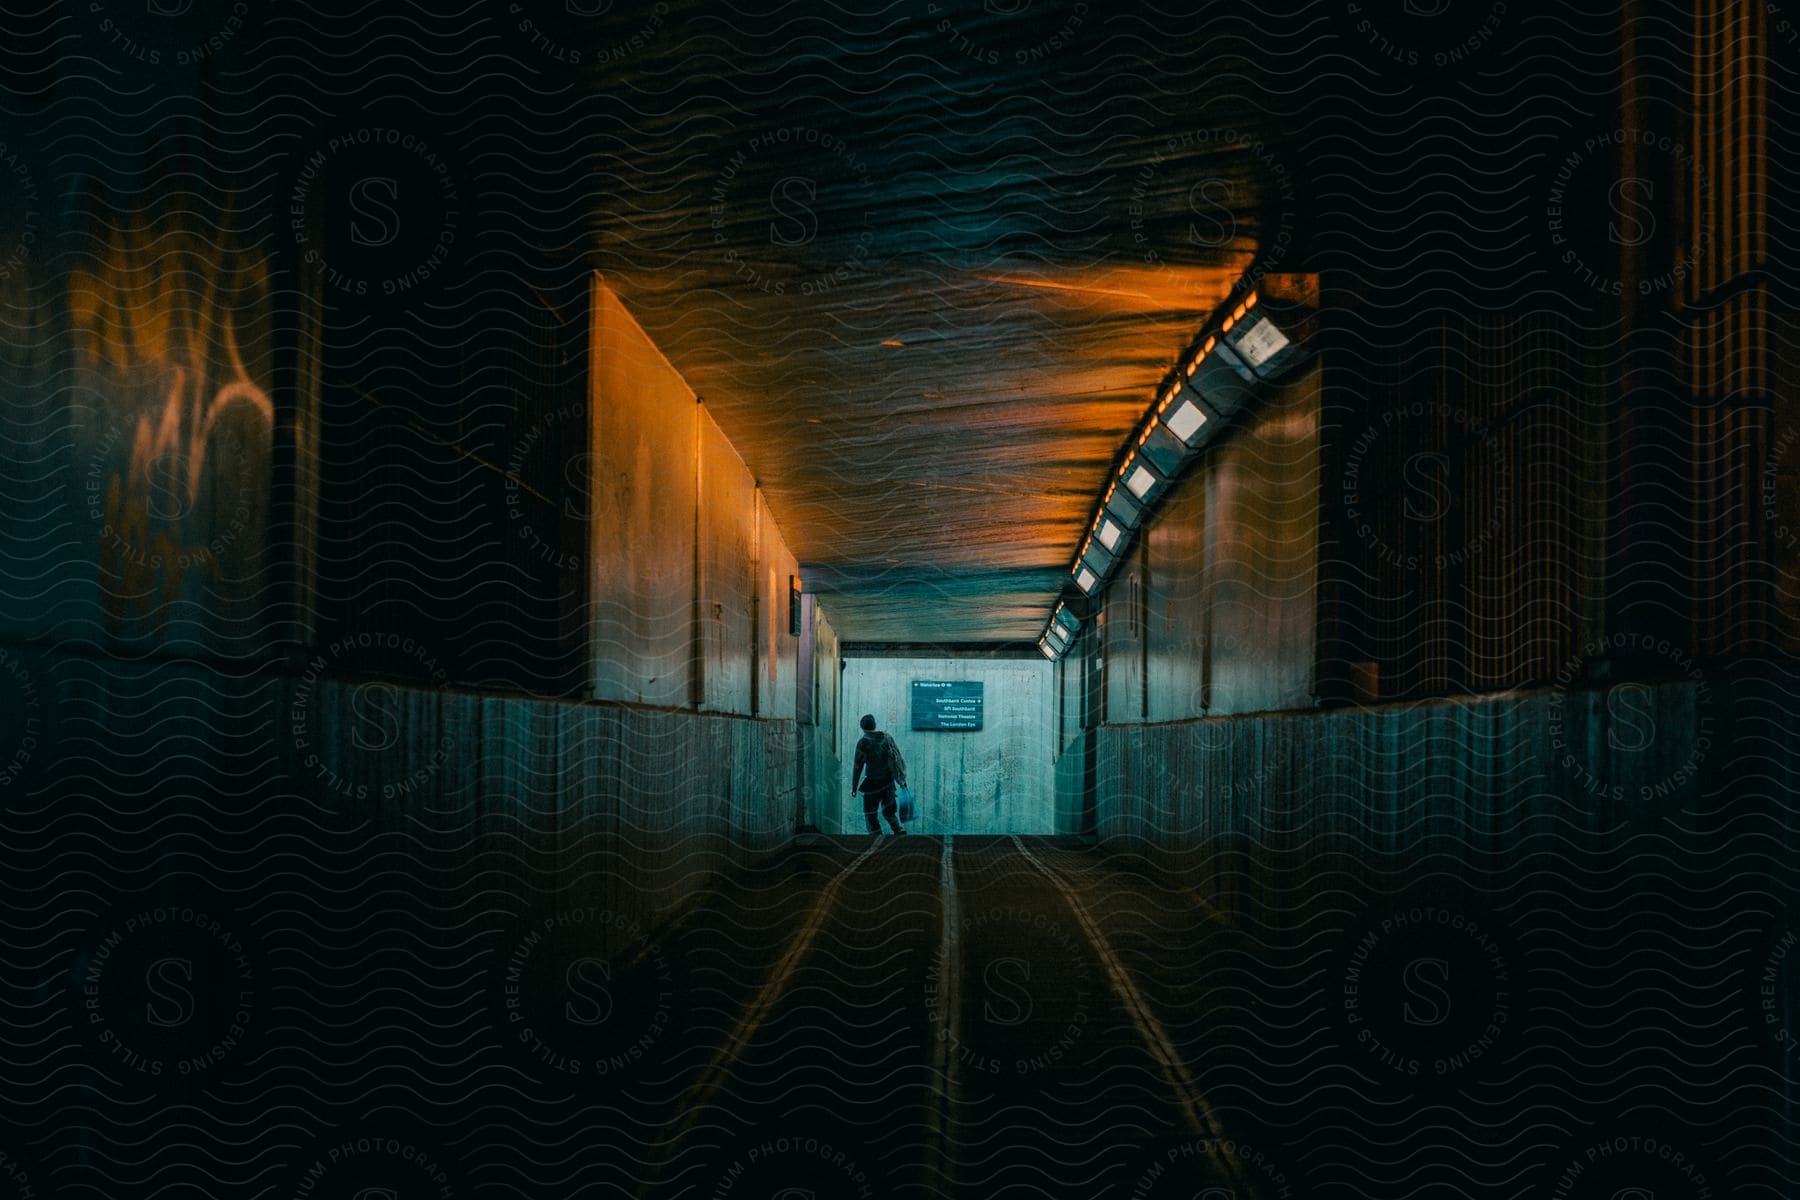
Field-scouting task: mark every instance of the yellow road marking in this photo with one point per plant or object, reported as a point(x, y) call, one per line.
point(725, 1060)
point(1194, 1108)
point(942, 1118)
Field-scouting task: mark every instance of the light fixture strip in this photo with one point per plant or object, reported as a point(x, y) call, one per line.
point(1184, 423)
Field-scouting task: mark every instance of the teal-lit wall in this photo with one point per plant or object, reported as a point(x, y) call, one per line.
point(998, 779)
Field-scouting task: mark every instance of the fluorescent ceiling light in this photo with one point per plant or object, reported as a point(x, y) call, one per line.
point(1110, 533)
point(1085, 579)
point(1123, 506)
point(1260, 341)
point(1185, 421)
point(1140, 481)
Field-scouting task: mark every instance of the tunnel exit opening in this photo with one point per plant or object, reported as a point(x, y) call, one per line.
point(976, 728)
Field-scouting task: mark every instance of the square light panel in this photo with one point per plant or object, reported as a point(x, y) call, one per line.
point(1185, 420)
point(1260, 341)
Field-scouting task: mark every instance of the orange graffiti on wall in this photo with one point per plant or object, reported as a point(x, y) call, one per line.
point(158, 327)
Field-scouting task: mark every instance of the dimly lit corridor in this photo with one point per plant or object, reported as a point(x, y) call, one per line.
point(1284, 516)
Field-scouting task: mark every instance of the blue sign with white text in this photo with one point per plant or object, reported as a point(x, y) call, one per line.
point(947, 704)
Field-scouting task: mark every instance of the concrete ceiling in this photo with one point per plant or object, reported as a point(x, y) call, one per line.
point(927, 295)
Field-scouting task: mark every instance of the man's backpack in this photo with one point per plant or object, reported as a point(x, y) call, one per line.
point(890, 751)
point(885, 763)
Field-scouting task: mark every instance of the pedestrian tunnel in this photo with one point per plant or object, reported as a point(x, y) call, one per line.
point(976, 730)
point(811, 592)
point(1312, 497)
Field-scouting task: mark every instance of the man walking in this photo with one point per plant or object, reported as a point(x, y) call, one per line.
point(881, 769)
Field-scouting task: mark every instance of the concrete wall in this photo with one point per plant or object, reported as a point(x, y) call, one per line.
point(1214, 610)
point(1074, 785)
point(777, 647)
point(243, 616)
point(1080, 687)
point(1215, 607)
point(995, 780)
point(1379, 617)
point(727, 585)
point(822, 755)
point(139, 429)
point(645, 439)
point(1393, 774)
point(625, 808)
point(690, 573)
point(1575, 781)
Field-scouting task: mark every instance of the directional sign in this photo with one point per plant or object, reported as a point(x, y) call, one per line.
point(946, 704)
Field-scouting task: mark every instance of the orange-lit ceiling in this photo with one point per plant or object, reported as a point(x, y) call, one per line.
point(929, 314)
